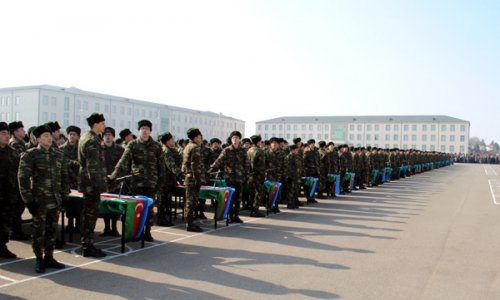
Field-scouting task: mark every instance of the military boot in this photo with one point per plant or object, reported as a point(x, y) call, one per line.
point(193, 227)
point(5, 252)
point(39, 265)
point(92, 251)
point(50, 262)
point(147, 235)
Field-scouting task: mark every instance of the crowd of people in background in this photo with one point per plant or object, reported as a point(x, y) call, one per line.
point(477, 158)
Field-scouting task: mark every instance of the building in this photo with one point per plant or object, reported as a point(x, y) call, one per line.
point(71, 106)
point(428, 133)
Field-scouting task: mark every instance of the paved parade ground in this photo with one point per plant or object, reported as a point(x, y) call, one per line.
point(431, 236)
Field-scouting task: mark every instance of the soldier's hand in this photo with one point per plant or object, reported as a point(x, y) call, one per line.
point(32, 208)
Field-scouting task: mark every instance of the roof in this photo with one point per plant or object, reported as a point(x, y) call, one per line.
point(77, 91)
point(366, 119)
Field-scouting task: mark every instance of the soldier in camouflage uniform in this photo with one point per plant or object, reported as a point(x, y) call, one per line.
point(173, 162)
point(215, 149)
point(193, 169)
point(274, 166)
point(234, 160)
point(70, 150)
point(9, 160)
point(292, 176)
point(300, 168)
point(333, 159)
point(126, 136)
point(43, 182)
point(365, 169)
point(256, 175)
point(205, 153)
point(344, 167)
point(92, 180)
point(311, 164)
point(112, 154)
point(324, 166)
point(144, 156)
point(17, 133)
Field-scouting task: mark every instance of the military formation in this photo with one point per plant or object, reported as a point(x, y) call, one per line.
point(41, 167)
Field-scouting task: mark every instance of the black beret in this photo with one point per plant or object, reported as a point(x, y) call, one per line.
point(297, 140)
point(322, 144)
point(53, 126)
point(164, 137)
point(311, 141)
point(193, 132)
point(73, 128)
point(246, 140)
point(95, 118)
point(4, 126)
point(274, 139)
point(235, 133)
point(124, 133)
point(13, 126)
point(293, 147)
point(256, 138)
point(37, 132)
point(146, 123)
point(109, 130)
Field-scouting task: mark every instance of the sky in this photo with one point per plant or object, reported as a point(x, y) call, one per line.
point(257, 60)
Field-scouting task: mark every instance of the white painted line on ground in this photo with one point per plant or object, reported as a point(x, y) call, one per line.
point(7, 278)
point(172, 233)
point(495, 183)
point(489, 170)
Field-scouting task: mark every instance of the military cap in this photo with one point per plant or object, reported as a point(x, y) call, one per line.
point(331, 144)
point(73, 128)
point(37, 132)
point(235, 133)
point(53, 126)
point(215, 140)
point(4, 126)
point(274, 139)
point(297, 140)
point(124, 133)
point(13, 126)
point(109, 130)
point(256, 138)
point(322, 144)
point(164, 137)
point(193, 132)
point(267, 142)
point(293, 147)
point(146, 123)
point(369, 148)
point(311, 141)
point(280, 140)
point(246, 140)
point(95, 118)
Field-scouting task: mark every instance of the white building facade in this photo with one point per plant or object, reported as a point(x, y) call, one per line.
point(71, 106)
point(427, 133)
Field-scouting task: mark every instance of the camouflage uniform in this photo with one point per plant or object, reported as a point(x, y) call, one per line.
point(257, 175)
point(344, 167)
point(173, 162)
point(292, 176)
point(194, 171)
point(235, 163)
point(273, 166)
point(71, 153)
point(112, 155)
point(19, 206)
point(324, 166)
point(311, 166)
point(92, 182)
point(43, 179)
point(9, 160)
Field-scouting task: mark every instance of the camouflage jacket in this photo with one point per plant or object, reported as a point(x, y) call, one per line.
point(92, 164)
point(192, 164)
point(18, 145)
point(71, 153)
point(345, 164)
point(334, 162)
point(281, 157)
point(274, 166)
point(112, 155)
point(311, 163)
point(173, 162)
point(324, 162)
point(9, 161)
point(43, 177)
point(291, 170)
point(235, 164)
point(144, 158)
point(256, 163)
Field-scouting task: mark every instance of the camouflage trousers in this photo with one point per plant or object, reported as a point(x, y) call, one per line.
point(321, 183)
point(6, 215)
point(164, 202)
point(44, 231)
point(256, 192)
point(192, 191)
point(292, 192)
point(17, 220)
point(236, 199)
point(89, 218)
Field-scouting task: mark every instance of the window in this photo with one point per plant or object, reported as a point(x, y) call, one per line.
point(452, 148)
point(387, 138)
point(122, 124)
point(129, 111)
point(368, 137)
point(433, 128)
point(424, 137)
point(452, 138)
point(405, 146)
point(360, 127)
point(375, 137)
point(16, 99)
point(396, 137)
point(327, 127)
point(433, 148)
point(295, 127)
point(78, 105)
point(151, 115)
point(413, 137)
point(318, 136)
point(85, 105)
point(326, 136)
point(368, 127)
point(319, 127)
point(53, 117)
point(310, 135)
point(303, 127)
point(395, 145)
point(280, 127)
point(443, 148)
point(414, 127)
point(413, 146)
point(273, 127)
point(351, 127)
point(387, 146)
point(266, 127)
point(45, 100)
point(462, 128)
point(259, 127)
point(433, 138)
point(462, 138)
point(288, 136)
point(405, 127)
point(387, 128)
point(443, 127)
point(77, 119)
point(113, 109)
point(358, 137)
point(424, 127)
point(351, 137)
point(452, 128)
point(17, 116)
point(424, 147)
point(443, 138)
point(396, 127)
point(376, 126)
point(53, 100)
point(266, 136)
point(45, 116)
point(66, 104)
point(310, 127)
point(288, 127)
point(462, 149)
point(106, 108)
point(97, 107)
point(405, 137)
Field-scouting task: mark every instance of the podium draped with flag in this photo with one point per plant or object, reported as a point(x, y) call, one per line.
point(310, 184)
point(334, 181)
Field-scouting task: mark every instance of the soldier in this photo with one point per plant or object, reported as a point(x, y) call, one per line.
point(43, 182)
point(234, 161)
point(311, 165)
point(56, 133)
point(9, 160)
point(145, 156)
point(365, 169)
point(192, 167)
point(300, 167)
point(246, 144)
point(70, 150)
point(173, 162)
point(32, 140)
point(274, 166)
point(205, 153)
point(112, 154)
point(292, 176)
point(344, 167)
point(324, 166)
point(215, 149)
point(17, 132)
point(257, 174)
point(126, 136)
point(92, 181)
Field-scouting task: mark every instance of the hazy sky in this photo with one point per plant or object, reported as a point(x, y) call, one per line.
point(255, 60)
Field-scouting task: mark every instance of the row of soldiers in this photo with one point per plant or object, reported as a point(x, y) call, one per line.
point(93, 162)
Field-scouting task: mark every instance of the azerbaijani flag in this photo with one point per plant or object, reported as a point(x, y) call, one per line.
point(310, 183)
point(374, 176)
point(272, 188)
point(335, 180)
point(350, 176)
